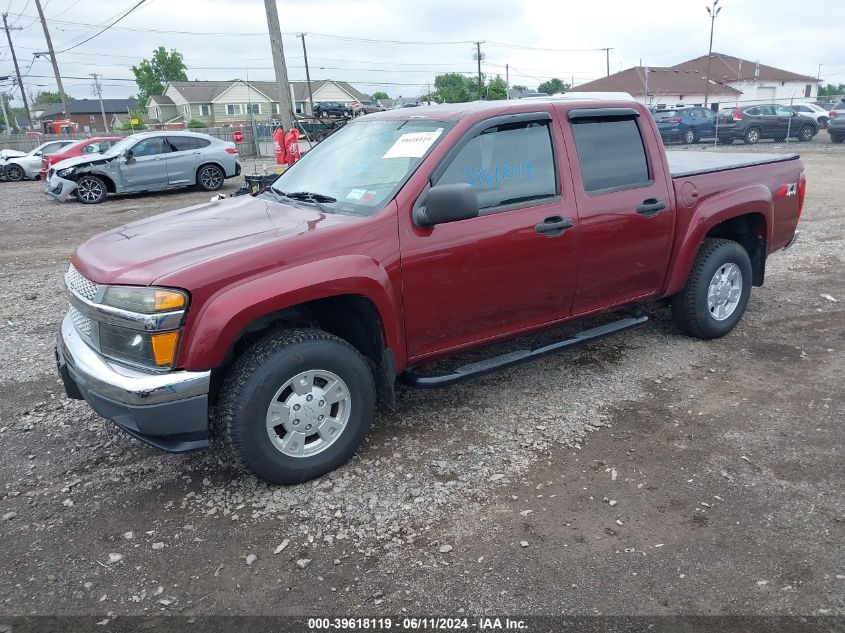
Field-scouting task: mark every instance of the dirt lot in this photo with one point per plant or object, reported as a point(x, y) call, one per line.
point(646, 474)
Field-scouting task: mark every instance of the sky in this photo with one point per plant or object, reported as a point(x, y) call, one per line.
point(223, 39)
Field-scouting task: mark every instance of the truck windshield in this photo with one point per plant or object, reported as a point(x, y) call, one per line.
point(359, 168)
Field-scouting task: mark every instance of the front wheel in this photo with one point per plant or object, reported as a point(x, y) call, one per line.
point(297, 405)
point(15, 173)
point(837, 138)
point(90, 190)
point(752, 136)
point(717, 290)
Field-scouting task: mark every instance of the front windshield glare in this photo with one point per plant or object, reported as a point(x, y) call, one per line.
point(362, 165)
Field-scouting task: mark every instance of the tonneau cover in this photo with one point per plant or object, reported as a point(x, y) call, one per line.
point(689, 163)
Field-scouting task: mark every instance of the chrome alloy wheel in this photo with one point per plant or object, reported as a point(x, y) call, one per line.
point(90, 190)
point(211, 178)
point(724, 292)
point(308, 413)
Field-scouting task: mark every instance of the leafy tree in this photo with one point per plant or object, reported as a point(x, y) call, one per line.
point(553, 86)
point(45, 96)
point(455, 88)
point(152, 74)
point(519, 88)
point(140, 116)
point(194, 123)
point(377, 96)
point(831, 90)
point(496, 89)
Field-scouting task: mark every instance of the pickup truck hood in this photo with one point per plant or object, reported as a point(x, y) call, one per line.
point(141, 252)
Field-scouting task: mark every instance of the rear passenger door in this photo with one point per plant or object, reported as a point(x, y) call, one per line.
point(624, 208)
point(186, 154)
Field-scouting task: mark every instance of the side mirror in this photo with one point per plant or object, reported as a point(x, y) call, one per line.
point(38, 153)
point(129, 155)
point(447, 203)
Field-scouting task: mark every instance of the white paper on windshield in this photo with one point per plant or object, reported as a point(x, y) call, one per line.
point(413, 144)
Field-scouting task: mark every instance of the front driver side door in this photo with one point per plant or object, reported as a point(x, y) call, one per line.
point(147, 170)
point(506, 270)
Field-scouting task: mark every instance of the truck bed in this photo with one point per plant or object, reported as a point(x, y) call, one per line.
point(691, 163)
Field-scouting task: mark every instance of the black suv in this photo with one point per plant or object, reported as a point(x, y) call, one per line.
point(836, 125)
point(331, 108)
point(754, 122)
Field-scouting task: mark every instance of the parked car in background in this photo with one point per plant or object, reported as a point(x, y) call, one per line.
point(366, 107)
point(5, 155)
point(836, 127)
point(688, 125)
point(752, 123)
point(28, 166)
point(96, 145)
point(149, 161)
point(331, 108)
point(819, 114)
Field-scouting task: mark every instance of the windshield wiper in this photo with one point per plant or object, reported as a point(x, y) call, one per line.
point(307, 196)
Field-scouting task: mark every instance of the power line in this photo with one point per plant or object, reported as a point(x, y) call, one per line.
point(136, 6)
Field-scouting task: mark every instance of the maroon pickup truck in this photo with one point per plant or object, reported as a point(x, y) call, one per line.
point(406, 237)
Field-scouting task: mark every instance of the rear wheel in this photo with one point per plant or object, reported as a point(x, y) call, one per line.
point(717, 290)
point(297, 405)
point(90, 190)
point(823, 121)
point(210, 178)
point(752, 136)
point(15, 172)
point(806, 134)
point(689, 137)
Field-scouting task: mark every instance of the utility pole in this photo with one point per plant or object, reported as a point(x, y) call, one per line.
point(5, 114)
point(52, 54)
point(17, 69)
point(479, 57)
point(507, 82)
point(100, 97)
point(282, 84)
point(607, 54)
point(307, 73)
point(712, 13)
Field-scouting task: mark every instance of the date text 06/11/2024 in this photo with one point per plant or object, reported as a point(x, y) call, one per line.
point(416, 624)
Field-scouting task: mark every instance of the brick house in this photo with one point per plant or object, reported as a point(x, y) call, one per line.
point(87, 115)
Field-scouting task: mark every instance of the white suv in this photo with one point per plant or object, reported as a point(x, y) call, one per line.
point(814, 112)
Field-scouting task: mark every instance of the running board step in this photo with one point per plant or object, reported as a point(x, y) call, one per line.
point(471, 370)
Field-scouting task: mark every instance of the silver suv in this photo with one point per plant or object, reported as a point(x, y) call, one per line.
point(149, 161)
point(836, 125)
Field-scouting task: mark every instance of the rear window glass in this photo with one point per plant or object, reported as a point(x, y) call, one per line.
point(185, 143)
point(666, 114)
point(506, 164)
point(611, 154)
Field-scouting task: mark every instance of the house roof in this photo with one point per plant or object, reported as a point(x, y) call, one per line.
point(726, 68)
point(90, 106)
point(660, 81)
point(208, 91)
point(160, 100)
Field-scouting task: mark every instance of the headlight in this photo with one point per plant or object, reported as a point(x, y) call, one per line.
point(144, 348)
point(144, 299)
point(66, 172)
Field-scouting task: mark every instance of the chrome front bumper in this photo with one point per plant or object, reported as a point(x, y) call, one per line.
point(167, 410)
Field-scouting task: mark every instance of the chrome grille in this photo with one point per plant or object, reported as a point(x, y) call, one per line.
point(81, 322)
point(80, 285)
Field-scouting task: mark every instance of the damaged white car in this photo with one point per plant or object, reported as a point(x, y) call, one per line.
point(149, 161)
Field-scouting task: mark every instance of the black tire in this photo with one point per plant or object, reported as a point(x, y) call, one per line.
point(90, 190)
point(252, 383)
point(15, 173)
point(690, 137)
point(806, 134)
point(836, 138)
point(210, 178)
point(823, 121)
point(690, 307)
point(752, 136)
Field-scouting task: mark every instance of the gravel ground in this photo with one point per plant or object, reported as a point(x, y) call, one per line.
point(647, 473)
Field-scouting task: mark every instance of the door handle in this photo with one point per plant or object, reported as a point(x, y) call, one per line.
point(554, 226)
point(651, 207)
